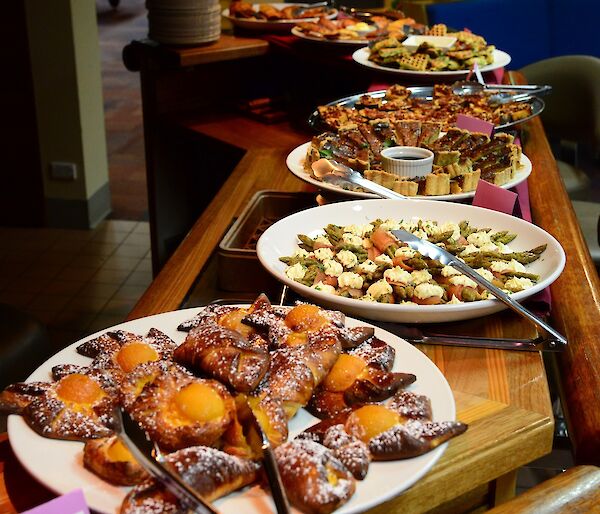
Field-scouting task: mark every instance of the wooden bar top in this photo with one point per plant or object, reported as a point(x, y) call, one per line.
point(227, 48)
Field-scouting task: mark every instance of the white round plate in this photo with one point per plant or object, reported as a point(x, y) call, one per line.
point(278, 25)
point(352, 42)
point(280, 240)
point(361, 56)
point(58, 464)
point(295, 163)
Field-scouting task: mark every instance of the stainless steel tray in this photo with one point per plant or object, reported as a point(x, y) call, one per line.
point(424, 92)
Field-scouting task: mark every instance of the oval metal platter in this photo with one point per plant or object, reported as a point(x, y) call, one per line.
point(423, 92)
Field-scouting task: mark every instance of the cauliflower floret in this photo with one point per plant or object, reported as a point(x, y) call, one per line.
point(332, 268)
point(296, 272)
point(347, 258)
point(323, 254)
point(349, 279)
point(359, 230)
point(479, 238)
point(379, 288)
point(397, 275)
point(450, 225)
point(368, 266)
point(323, 240)
point(488, 275)
point(461, 280)
point(449, 271)
point(425, 290)
point(390, 225)
point(455, 300)
point(383, 259)
point(470, 248)
point(420, 276)
point(405, 252)
point(301, 252)
point(501, 266)
point(517, 284)
point(351, 239)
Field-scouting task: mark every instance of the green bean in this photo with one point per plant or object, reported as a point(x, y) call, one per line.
point(417, 263)
point(334, 233)
point(307, 243)
point(520, 274)
point(390, 251)
point(440, 238)
point(470, 295)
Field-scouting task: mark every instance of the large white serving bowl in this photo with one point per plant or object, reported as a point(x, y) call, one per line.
point(280, 240)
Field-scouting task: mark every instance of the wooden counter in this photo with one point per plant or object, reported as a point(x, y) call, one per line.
point(502, 395)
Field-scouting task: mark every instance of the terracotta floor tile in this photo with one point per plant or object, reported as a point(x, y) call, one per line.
point(99, 290)
point(48, 302)
point(93, 248)
point(138, 239)
point(128, 250)
point(139, 278)
point(121, 262)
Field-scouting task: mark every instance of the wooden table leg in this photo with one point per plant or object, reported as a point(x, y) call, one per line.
point(503, 488)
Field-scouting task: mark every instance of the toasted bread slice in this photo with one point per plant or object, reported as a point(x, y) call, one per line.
point(406, 187)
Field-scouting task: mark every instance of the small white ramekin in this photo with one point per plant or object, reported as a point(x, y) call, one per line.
point(395, 161)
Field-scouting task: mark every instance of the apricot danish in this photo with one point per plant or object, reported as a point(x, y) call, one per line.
point(179, 410)
point(77, 407)
point(211, 472)
point(108, 458)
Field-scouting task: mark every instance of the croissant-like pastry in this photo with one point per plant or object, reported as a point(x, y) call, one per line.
point(209, 471)
point(413, 438)
point(108, 458)
point(296, 371)
point(179, 410)
point(224, 354)
point(315, 481)
point(77, 407)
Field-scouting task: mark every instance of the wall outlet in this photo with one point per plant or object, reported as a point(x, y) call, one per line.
point(63, 170)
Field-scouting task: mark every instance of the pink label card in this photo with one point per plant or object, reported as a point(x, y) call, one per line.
point(474, 124)
point(495, 198)
point(70, 503)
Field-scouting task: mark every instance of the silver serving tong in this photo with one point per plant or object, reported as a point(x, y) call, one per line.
point(151, 459)
point(270, 465)
point(501, 94)
point(556, 341)
point(334, 172)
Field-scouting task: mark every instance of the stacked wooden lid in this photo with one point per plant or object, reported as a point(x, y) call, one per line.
point(184, 22)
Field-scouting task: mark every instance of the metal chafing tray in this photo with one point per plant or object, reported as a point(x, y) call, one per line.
point(424, 92)
point(238, 266)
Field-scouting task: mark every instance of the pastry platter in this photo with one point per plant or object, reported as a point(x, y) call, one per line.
point(272, 25)
point(361, 56)
point(424, 93)
point(343, 42)
point(57, 464)
point(295, 163)
point(280, 240)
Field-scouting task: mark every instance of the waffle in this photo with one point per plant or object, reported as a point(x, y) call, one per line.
point(437, 30)
point(416, 62)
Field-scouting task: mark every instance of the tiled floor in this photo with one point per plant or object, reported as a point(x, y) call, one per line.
point(75, 281)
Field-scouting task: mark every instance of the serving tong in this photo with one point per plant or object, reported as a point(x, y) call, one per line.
point(338, 174)
point(555, 341)
point(149, 456)
point(501, 94)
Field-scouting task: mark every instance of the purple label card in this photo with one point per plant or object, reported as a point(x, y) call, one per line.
point(474, 124)
point(70, 503)
point(495, 198)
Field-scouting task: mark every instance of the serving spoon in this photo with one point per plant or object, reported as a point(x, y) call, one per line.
point(334, 172)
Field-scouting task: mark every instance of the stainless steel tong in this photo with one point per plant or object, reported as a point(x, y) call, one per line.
point(556, 341)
